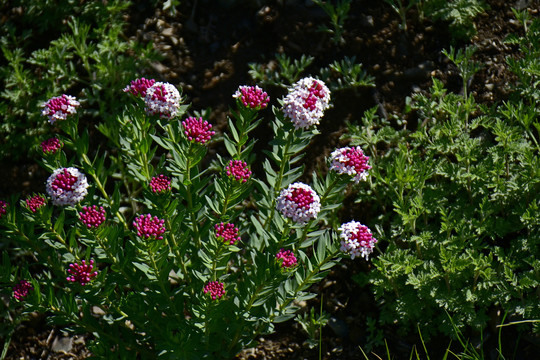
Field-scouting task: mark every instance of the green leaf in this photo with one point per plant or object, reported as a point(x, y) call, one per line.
point(59, 224)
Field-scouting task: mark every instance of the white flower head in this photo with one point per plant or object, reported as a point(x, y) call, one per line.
point(162, 99)
point(299, 202)
point(350, 161)
point(356, 239)
point(67, 186)
point(59, 107)
point(306, 101)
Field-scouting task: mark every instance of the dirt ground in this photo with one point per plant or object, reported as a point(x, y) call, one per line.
point(207, 46)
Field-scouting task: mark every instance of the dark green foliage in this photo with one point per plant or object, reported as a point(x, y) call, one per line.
point(458, 198)
point(459, 14)
point(339, 75)
point(71, 47)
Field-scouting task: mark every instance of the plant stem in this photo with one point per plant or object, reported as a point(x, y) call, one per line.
point(304, 282)
point(102, 190)
point(162, 285)
point(189, 197)
point(174, 248)
point(306, 229)
point(277, 185)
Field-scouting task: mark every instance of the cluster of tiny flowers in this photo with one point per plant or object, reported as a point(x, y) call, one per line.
point(52, 145)
point(3, 208)
point(67, 186)
point(299, 202)
point(58, 108)
point(138, 87)
point(21, 289)
point(215, 288)
point(82, 273)
point(162, 99)
point(160, 184)
point(197, 130)
point(227, 233)
point(35, 203)
point(149, 227)
point(287, 258)
point(252, 97)
point(92, 216)
point(350, 161)
point(239, 170)
point(356, 239)
point(306, 101)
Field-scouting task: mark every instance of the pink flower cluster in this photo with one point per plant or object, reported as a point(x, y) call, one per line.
point(350, 161)
point(67, 186)
point(286, 258)
point(58, 108)
point(160, 184)
point(215, 289)
point(149, 227)
point(299, 202)
point(92, 216)
point(227, 233)
point(306, 101)
point(21, 289)
point(35, 203)
point(356, 239)
point(252, 97)
point(138, 87)
point(82, 273)
point(162, 99)
point(51, 146)
point(3, 208)
point(197, 130)
point(238, 170)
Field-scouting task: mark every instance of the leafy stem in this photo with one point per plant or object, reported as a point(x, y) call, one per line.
point(277, 185)
point(305, 282)
point(101, 188)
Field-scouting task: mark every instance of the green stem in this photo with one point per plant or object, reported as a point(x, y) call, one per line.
point(162, 285)
point(189, 198)
point(534, 139)
point(252, 299)
point(306, 229)
point(133, 282)
point(277, 186)
point(284, 233)
point(215, 261)
point(304, 282)
point(174, 247)
point(226, 201)
point(102, 190)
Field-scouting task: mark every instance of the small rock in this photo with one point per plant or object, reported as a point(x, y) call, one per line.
point(168, 31)
point(62, 344)
point(367, 21)
point(160, 24)
point(489, 87)
point(521, 4)
point(159, 67)
point(96, 310)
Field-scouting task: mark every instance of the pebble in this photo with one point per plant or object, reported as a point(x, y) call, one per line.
point(168, 32)
point(96, 310)
point(62, 344)
point(367, 21)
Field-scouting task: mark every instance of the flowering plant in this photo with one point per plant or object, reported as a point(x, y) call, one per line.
point(177, 258)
